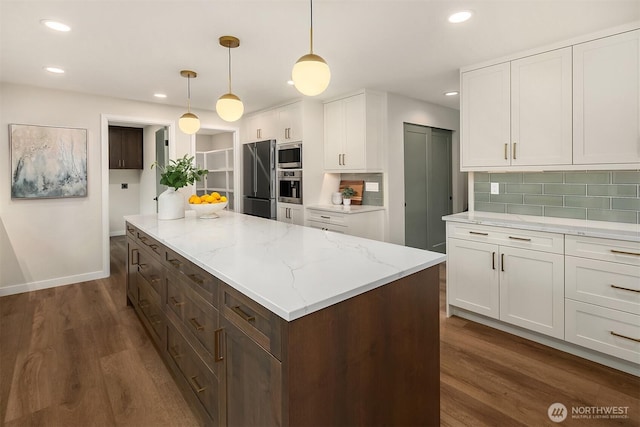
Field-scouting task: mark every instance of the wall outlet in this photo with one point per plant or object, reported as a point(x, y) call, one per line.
point(495, 188)
point(124, 186)
point(371, 186)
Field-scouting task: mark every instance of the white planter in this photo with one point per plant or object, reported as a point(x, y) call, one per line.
point(170, 204)
point(346, 202)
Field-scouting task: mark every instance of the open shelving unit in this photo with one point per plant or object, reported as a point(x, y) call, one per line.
point(220, 165)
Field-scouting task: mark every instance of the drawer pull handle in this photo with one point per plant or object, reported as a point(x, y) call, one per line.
point(625, 337)
point(155, 279)
point(155, 320)
point(143, 266)
point(624, 252)
point(493, 260)
point(153, 246)
point(130, 229)
point(196, 385)
point(246, 317)
point(625, 289)
point(136, 256)
point(325, 217)
point(196, 325)
point(217, 336)
point(174, 352)
point(175, 263)
point(196, 279)
point(175, 302)
point(143, 304)
point(520, 238)
point(478, 233)
point(501, 262)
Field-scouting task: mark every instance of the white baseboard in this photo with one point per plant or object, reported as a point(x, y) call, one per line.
point(51, 283)
point(576, 350)
point(116, 233)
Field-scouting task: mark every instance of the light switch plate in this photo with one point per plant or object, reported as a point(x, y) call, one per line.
point(495, 188)
point(371, 186)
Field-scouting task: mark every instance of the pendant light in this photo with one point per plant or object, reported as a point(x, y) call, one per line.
point(311, 74)
point(189, 123)
point(229, 106)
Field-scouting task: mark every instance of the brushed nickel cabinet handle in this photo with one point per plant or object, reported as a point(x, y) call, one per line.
point(217, 336)
point(624, 252)
point(196, 278)
point(174, 352)
point(520, 238)
point(625, 289)
point(246, 317)
point(196, 324)
point(505, 152)
point(624, 336)
point(339, 160)
point(478, 233)
point(344, 160)
point(514, 150)
point(501, 262)
point(175, 302)
point(196, 385)
point(493, 260)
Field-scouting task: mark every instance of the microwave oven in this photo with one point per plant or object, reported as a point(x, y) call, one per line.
point(290, 156)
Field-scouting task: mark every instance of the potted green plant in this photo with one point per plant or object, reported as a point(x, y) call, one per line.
point(177, 174)
point(347, 194)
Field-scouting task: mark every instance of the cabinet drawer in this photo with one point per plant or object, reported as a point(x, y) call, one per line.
point(151, 311)
point(199, 280)
point(201, 322)
point(603, 283)
point(327, 218)
point(149, 242)
point(620, 251)
point(609, 331)
point(201, 380)
point(535, 240)
point(151, 270)
point(329, 227)
point(176, 298)
point(261, 325)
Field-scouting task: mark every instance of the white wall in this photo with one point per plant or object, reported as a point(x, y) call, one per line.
point(52, 242)
point(122, 201)
point(406, 110)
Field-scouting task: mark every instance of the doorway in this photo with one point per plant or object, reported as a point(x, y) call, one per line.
point(427, 186)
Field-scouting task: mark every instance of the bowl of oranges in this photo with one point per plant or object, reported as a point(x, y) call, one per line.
point(207, 205)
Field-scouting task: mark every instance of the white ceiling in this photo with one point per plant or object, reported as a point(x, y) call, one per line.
point(133, 49)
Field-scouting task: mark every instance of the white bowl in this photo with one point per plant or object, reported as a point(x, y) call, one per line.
point(208, 210)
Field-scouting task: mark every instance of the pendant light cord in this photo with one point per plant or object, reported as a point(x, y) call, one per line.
point(229, 47)
point(311, 30)
point(189, 94)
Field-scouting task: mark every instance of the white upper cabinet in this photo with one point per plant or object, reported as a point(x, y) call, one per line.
point(353, 133)
point(541, 109)
point(283, 124)
point(518, 113)
point(606, 116)
point(289, 126)
point(260, 126)
point(485, 105)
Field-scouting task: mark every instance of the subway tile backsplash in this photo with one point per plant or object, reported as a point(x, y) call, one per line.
point(369, 197)
point(595, 195)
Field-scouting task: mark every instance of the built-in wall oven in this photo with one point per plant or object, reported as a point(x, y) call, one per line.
point(290, 186)
point(290, 156)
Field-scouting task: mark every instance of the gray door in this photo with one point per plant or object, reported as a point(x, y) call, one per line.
point(162, 157)
point(427, 183)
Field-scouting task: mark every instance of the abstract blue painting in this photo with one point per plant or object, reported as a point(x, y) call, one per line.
point(47, 162)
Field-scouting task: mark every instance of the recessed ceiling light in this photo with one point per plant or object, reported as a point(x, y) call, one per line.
point(461, 16)
point(290, 82)
point(160, 95)
point(452, 93)
point(55, 25)
point(54, 70)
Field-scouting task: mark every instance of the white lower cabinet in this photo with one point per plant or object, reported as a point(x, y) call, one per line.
point(362, 224)
point(291, 213)
point(492, 272)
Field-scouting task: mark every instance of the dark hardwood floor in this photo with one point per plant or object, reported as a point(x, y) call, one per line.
point(78, 356)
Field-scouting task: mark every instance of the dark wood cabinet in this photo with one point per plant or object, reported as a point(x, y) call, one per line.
point(125, 148)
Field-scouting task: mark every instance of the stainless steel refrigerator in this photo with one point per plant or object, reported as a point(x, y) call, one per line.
point(259, 179)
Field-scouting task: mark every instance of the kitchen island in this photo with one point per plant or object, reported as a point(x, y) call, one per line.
point(266, 323)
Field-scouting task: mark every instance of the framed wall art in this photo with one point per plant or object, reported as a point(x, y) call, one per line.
point(47, 161)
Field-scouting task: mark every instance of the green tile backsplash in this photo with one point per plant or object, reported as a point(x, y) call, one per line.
point(595, 195)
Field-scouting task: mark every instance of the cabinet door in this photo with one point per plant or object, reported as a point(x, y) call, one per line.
point(251, 383)
point(115, 148)
point(485, 116)
point(355, 137)
point(541, 97)
point(132, 268)
point(333, 134)
point(132, 148)
point(532, 290)
point(606, 102)
point(290, 123)
point(472, 280)
point(296, 215)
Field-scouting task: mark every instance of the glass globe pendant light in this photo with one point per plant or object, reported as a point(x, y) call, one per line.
point(189, 123)
point(229, 106)
point(311, 74)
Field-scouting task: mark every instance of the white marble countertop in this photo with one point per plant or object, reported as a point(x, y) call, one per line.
point(602, 229)
point(351, 209)
point(289, 269)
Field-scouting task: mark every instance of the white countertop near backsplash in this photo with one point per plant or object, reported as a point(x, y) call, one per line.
point(577, 227)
